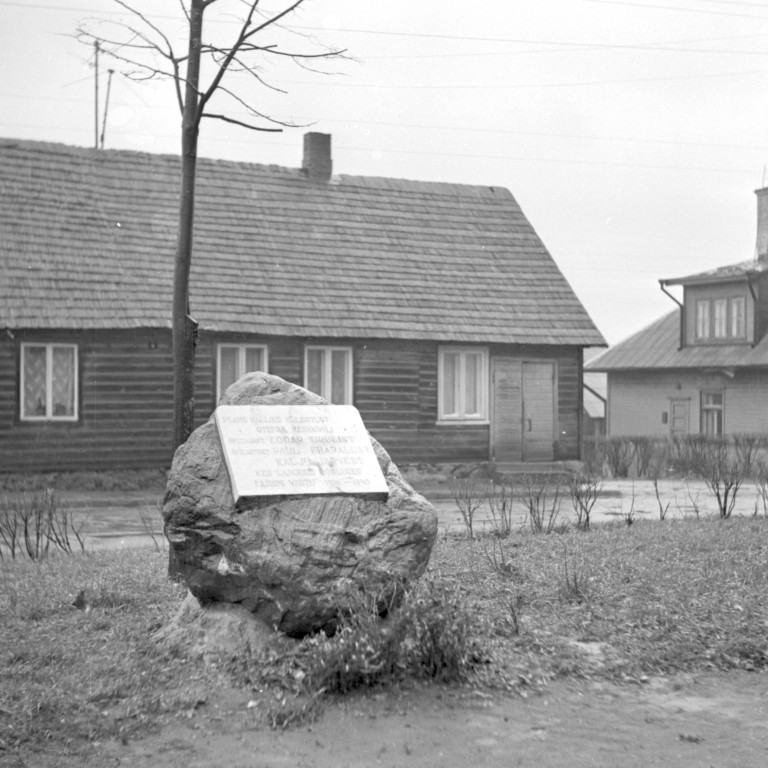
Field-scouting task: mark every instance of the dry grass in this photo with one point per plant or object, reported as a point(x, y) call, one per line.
point(653, 598)
point(618, 602)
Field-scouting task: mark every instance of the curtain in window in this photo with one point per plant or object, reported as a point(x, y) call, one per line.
point(315, 368)
point(450, 373)
point(227, 367)
point(34, 398)
point(63, 381)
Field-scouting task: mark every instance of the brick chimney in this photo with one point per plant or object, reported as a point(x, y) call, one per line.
point(317, 156)
point(761, 248)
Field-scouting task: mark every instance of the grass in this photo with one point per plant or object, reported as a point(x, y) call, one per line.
point(654, 598)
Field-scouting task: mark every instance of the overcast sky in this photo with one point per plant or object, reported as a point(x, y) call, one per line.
point(633, 134)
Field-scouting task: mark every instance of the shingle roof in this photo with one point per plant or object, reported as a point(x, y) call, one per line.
point(87, 241)
point(739, 271)
point(656, 347)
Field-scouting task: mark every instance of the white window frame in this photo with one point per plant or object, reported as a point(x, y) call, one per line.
point(737, 318)
point(49, 415)
point(703, 311)
point(721, 318)
point(327, 371)
point(720, 326)
point(706, 408)
point(460, 416)
point(242, 349)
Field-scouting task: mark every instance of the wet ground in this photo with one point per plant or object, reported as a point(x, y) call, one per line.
point(133, 518)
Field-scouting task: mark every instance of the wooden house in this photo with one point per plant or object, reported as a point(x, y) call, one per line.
point(434, 308)
point(702, 368)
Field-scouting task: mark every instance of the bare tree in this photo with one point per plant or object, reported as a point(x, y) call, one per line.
point(145, 52)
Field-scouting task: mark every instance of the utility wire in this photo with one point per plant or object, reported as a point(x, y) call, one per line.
point(430, 127)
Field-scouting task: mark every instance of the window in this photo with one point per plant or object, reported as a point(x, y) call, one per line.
point(235, 360)
point(702, 319)
point(328, 373)
point(721, 319)
point(49, 382)
point(462, 380)
point(737, 317)
point(712, 413)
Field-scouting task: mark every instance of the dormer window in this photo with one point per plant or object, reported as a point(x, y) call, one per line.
point(720, 319)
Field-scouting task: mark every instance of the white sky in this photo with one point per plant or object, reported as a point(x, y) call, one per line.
point(633, 134)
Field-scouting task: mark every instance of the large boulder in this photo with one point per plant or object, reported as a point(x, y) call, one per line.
point(295, 562)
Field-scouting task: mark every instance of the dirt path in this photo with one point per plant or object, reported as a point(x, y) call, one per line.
point(687, 722)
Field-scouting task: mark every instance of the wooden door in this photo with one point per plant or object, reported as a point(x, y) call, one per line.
point(679, 419)
point(538, 411)
point(506, 411)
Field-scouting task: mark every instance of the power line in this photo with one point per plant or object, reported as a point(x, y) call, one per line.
point(479, 156)
point(435, 127)
point(524, 86)
point(422, 35)
point(678, 8)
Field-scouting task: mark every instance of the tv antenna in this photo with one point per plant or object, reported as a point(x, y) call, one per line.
point(98, 141)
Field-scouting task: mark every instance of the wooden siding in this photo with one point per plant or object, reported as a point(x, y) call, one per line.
point(637, 401)
point(126, 399)
point(126, 396)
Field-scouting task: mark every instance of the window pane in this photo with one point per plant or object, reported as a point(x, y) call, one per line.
point(472, 385)
point(315, 360)
point(63, 381)
point(34, 382)
point(721, 312)
point(450, 381)
point(339, 368)
point(737, 317)
point(253, 359)
point(228, 373)
point(702, 319)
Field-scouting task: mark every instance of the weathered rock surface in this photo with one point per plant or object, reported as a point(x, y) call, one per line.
point(294, 562)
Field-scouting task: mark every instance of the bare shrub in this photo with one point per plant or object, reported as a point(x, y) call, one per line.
point(644, 450)
point(146, 515)
point(584, 490)
point(497, 558)
point(593, 450)
point(619, 453)
point(575, 584)
point(656, 468)
point(746, 447)
point(500, 497)
point(32, 524)
point(469, 492)
point(542, 497)
point(628, 513)
point(723, 468)
point(761, 481)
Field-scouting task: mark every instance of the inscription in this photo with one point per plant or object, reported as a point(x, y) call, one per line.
point(276, 450)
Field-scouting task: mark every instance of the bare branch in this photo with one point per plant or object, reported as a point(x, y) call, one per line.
point(245, 125)
point(253, 72)
point(169, 55)
point(228, 58)
point(254, 111)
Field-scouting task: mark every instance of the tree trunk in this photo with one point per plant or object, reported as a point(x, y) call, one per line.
point(184, 326)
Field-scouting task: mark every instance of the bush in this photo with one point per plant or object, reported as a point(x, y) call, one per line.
point(35, 524)
point(542, 497)
point(426, 636)
point(619, 453)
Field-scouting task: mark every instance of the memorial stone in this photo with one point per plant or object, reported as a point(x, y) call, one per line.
point(296, 561)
